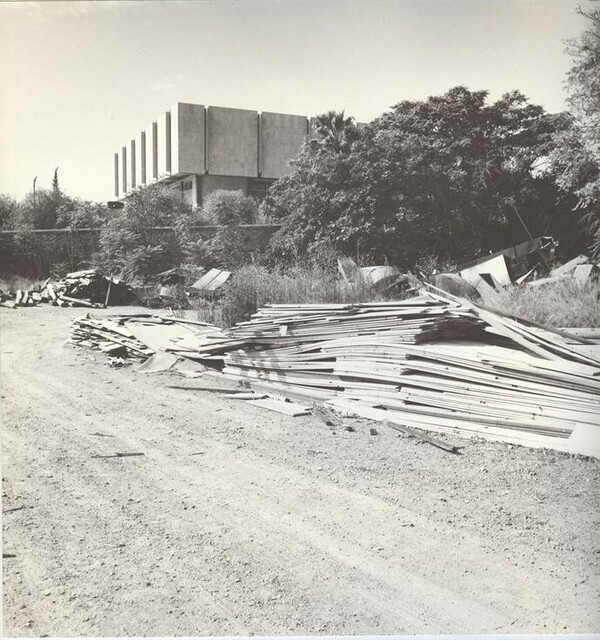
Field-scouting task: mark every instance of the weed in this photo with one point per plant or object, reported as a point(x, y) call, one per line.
point(559, 304)
point(255, 286)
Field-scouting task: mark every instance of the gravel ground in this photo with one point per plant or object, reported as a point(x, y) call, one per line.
point(237, 520)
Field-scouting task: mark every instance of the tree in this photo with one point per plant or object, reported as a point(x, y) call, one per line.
point(77, 213)
point(228, 248)
point(55, 186)
point(445, 176)
point(39, 210)
point(576, 158)
point(133, 243)
point(8, 211)
point(229, 208)
point(336, 131)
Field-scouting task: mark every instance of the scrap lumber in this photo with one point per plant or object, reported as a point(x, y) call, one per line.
point(569, 266)
point(431, 363)
point(88, 288)
point(421, 435)
point(212, 280)
point(281, 406)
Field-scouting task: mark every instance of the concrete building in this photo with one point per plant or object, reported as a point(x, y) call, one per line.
point(198, 149)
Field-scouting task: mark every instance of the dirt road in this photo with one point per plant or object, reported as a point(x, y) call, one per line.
point(241, 521)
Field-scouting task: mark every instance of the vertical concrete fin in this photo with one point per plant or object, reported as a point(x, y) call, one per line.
point(143, 156)
point(124, 169)
point(168, 140)
point(155, 150)
point(258, 137)
point(133, 167)
point(116, 175)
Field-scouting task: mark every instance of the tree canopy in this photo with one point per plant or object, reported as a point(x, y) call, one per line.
point(576, 159)
point(451, 176)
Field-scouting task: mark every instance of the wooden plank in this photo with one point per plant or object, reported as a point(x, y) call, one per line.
point(288, 408)
point(417, 433)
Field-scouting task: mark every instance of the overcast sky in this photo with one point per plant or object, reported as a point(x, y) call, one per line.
point(80, 79)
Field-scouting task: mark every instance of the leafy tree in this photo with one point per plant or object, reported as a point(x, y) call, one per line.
point(133, 243)
point(229, 208)
point(576, 159)
point(445, 176)
point(39, 210)
point(77, 213)
point(8, 211)
point(229, 247)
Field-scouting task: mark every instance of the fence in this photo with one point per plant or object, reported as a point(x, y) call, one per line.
point(37, 252)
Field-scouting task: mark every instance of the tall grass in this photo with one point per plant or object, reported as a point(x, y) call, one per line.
point(255, 286)
point(559, 304)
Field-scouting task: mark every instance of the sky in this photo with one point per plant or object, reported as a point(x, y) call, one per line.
point(79, 79)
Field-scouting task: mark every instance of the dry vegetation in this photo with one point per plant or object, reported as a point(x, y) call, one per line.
point(561, 304)
point(254, 286)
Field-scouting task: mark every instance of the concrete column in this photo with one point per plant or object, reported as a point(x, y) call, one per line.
point(140, 161)
point(124, 168)
point(133, 176)
point(155, 150)
point(116, 175)
point(168, 140)
point(143, 156)
point(164, 144)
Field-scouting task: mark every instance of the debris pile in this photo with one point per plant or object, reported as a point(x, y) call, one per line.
point(527, 264)
point(429, 363)
point(160, 343)
point(88, 288)
point(579, 271)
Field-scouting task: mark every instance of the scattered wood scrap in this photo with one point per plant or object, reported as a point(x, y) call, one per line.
point(88, 288)
point(119, 455)
point(281, 406)
point(421, 435)
point(431, 363)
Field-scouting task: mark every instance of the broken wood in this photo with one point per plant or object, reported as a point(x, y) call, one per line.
point(14, 509)
point(119, 455)
point(416, 433)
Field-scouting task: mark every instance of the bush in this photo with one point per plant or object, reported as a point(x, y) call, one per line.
point(229, 247)
point(229, 208)
point(133, 243)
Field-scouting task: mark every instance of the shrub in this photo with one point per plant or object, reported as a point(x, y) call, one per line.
point(229, 247)
point(133, 243)
point(229, 208)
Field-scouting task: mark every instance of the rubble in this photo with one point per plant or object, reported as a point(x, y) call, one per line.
point(524, 264)
point(527, 260)
point(159, 343)
point(428, 363)
point(88, 288)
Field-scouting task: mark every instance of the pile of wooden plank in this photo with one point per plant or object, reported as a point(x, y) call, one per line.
point(20, 298)
point(141, 335)
point(89, 288)
point(429, 362)
point(579, 271)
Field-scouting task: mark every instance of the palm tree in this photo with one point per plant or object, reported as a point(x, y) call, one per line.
point(337, 132)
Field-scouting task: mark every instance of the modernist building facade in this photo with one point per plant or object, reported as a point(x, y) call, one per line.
point(198, 149)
